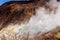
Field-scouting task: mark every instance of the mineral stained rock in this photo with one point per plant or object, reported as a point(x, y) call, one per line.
point(32, 20)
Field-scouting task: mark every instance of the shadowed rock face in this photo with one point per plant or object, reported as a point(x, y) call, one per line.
point(15, 12)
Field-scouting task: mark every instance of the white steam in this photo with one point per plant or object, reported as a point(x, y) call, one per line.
point(44, 21)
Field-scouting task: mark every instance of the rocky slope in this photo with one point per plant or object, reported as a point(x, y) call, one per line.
point(33, 20)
